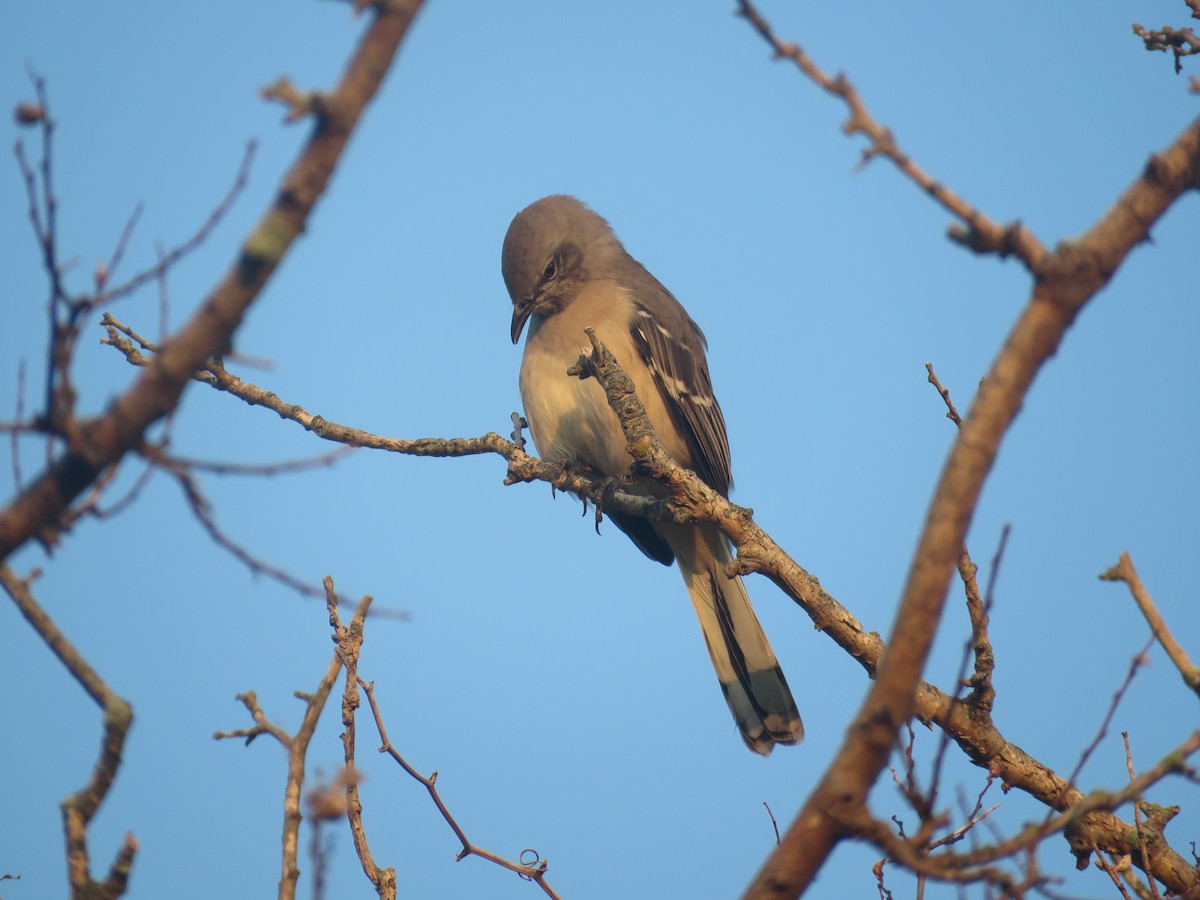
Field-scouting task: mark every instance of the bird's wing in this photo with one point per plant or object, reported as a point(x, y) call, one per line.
point(672, 347)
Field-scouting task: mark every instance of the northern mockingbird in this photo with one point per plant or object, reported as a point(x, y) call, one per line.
point(565, 271)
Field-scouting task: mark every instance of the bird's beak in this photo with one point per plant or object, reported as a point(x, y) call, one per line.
point(522, 309)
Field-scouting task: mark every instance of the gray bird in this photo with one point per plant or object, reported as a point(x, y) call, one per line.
point(566, 271)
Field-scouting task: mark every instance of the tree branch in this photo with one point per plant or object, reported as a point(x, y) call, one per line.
point(297, 746)
point(1125, 571)
point(106, 438)
point(349, 641)
point(80, 808)
point(981, 234)
point(534, 870)
point(1065, 281)
point(690, 500)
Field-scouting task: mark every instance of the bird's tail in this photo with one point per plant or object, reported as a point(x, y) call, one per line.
point(754, 686)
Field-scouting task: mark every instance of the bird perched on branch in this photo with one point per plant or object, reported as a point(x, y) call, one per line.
point(566, 271)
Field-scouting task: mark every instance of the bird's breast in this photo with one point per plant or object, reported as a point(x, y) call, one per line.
point(569, 418)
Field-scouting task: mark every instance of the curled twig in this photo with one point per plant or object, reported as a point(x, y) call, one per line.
point(534, 871)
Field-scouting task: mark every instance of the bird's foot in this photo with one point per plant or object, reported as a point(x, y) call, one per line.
point(599, 490)
point(557, 473)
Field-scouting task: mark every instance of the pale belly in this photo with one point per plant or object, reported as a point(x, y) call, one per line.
point(570, 418)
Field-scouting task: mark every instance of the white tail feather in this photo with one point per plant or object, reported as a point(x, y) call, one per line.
point(754, 686)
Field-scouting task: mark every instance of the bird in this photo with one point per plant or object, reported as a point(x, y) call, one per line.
point(565, 270)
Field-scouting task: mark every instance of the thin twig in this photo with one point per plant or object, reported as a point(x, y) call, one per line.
point(349, 641)
point(284, 467)
point(1114, 871)
point(774, 824)
point(209, 332)
point(174, 255)
point(534, 871)
point(951, 409)
point(297, 751)
point(202, 510)
point(105, 271)
point(1135, 664)
point(1142, 843)
point(981, 234)
point(1124, 571)
point(79, 808)
point(16, 433)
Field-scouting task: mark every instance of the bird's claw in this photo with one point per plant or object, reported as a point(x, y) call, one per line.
point(600, 490)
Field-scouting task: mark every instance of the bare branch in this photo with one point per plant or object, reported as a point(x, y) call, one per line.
point(1142, 843)
point(521, 466)
point(296, 747)
point(105, 439)
point(1125, 571)
point(262, 470)
point(534, 870)
point(171, 257)
point(981, 234)
point(202, 510)
point(1136, 663)
point(349, 641)
point(983, 693)
point(1065, 281)
point(951, 409)
point(105, 271)
point(79, 808)
point(1080, 268)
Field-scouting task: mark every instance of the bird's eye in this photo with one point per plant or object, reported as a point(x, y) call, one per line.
point(550, 271)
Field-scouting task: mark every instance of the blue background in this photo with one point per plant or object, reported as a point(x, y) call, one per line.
point(556, 680)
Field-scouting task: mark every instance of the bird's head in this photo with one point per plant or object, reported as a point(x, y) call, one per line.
point(552, 248)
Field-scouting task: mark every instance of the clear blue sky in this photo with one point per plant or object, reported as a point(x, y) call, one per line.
point(557, 680)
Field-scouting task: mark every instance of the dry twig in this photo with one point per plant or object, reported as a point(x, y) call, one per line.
point(1124, 571)
point(533, 870)
point(104, 440)
point(79, 808)
point(296, 746)
point(981, 233)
